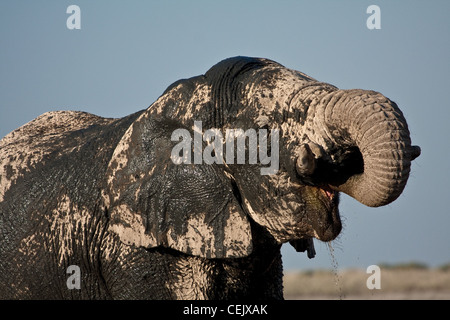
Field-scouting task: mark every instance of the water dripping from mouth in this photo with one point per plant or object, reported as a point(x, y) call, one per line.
point(335, 267)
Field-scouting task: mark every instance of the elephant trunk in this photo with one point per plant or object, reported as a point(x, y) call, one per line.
point(376, 127)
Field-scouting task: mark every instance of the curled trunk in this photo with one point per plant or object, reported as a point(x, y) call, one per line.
point(374, 126)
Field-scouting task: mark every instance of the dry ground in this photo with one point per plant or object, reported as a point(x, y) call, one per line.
point(396, 283)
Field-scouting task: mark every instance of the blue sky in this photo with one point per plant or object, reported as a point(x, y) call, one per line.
point(127, 52)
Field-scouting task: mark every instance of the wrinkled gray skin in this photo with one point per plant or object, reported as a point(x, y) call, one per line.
point(104, 195)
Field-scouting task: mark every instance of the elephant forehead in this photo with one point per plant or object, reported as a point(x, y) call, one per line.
point(30, 144)
point(285, 98)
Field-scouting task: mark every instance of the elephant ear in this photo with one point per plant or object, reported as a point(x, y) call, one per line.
point(154, 202)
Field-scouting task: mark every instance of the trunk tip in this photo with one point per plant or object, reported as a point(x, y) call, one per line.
point(415, 152)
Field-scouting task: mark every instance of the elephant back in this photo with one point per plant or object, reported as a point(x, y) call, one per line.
point(38, 139)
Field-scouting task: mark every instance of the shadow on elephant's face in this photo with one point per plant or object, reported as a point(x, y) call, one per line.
point(290, 210)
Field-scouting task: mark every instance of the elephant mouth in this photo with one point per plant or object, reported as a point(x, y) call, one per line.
point(329, 225)
point(329, 193)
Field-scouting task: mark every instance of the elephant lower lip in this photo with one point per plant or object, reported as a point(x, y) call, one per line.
point(332, 229)
point(331, 225)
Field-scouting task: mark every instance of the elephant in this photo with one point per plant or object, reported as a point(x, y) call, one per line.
point(97, 208)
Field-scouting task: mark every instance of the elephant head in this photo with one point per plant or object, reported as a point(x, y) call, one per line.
point(327, 141)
